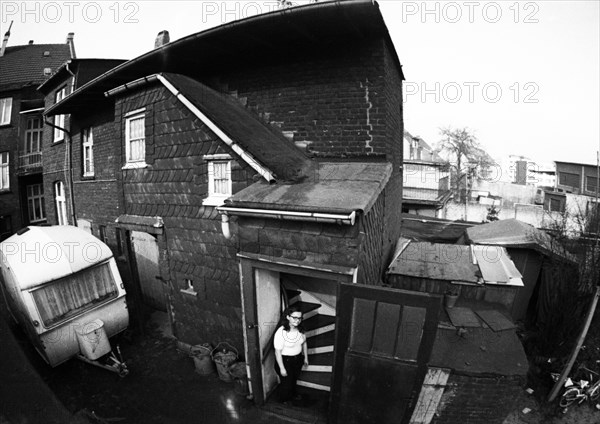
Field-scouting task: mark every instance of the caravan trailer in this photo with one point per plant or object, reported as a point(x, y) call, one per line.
point(61, 284)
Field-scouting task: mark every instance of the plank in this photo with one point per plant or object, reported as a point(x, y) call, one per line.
point(496, 320)
point(463, 317)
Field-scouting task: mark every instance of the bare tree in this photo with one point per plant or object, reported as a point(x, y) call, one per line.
point(465, 156)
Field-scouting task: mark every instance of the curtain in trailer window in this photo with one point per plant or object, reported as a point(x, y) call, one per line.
point(69, 296)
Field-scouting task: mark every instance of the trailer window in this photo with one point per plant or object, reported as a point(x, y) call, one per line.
point(72, 295)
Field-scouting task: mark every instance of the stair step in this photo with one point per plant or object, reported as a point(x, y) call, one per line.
point(325, 339)
point(308, 309)
point(315, 380)
point(318, 324)
point(292, 295)
point(321, 359)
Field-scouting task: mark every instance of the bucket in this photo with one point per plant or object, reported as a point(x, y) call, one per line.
point(223, 359)
point(202, 361)
point(240, 376)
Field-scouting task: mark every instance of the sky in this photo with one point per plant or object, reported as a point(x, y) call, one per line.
point(523, 76)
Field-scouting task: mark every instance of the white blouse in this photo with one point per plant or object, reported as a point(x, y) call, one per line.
point(289, 342)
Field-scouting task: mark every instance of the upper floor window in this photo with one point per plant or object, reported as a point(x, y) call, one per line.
point(87, 139)
point(135, 139)
point(61, 203)
point(5, 110)
point(33, 135)
point(591, 183)
point(59, 120)
point(35, 203)
point(4, 181)
point(569, 179)
point(219, 179)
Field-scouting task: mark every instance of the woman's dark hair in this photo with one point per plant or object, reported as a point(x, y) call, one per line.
point(284, 321)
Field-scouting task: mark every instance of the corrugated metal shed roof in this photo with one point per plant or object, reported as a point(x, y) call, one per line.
point(453, 262)
point(43, 254)
point(336, 188)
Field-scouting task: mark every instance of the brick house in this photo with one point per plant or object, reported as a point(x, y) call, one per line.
point(22, 69)
point(254, 165)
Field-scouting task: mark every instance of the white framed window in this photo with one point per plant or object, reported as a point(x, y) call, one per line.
point(4, 178)
point(61, 203)
point(59, 120)
point(135, 140)
point(35, 203)
point(5, 110)
point(87, 139)
point(33, 135)
point(219, 179)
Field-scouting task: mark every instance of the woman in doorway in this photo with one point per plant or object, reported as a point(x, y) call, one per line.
point(291, 353)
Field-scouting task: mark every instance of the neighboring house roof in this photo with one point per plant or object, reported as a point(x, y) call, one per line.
point(42, 254)
point(263, 38)
point(575, 163)
point(431, 157)
point(86, 70)
point(453, 262)
point(24, 65)
point(515, 234)
point(341, 188)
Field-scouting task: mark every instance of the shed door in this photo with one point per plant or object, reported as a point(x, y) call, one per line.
point(145, 248)
point(383, 342)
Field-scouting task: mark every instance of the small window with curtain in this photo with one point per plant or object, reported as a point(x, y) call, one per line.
point(61, 203)
point(135, 140)
point(73, 295)
point(5, 110)
point(87, 140)
point(4, 176)
point(219, 179)
point(59, 120)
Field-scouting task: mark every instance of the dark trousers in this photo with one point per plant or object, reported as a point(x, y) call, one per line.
point(293, 366)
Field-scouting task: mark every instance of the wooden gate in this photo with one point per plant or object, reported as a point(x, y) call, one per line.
point(146, 253)
point(383, 342)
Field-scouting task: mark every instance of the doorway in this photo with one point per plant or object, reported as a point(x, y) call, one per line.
point(146, 252)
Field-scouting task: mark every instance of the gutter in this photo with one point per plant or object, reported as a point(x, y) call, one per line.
point(325, 218)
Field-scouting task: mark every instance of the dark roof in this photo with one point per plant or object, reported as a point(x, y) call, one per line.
point(516, 234)
point(270, 148)
point(86, 70)
point(265, 38)
point(336, 188)
point(24, 65)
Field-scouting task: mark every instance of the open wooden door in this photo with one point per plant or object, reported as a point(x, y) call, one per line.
point(383, 342)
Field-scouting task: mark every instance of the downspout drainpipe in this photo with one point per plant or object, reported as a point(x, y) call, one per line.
point(69, 167)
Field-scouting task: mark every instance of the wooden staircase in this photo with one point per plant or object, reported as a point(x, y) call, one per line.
point(319, 329)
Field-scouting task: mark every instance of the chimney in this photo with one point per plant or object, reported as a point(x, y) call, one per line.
point(161, 39)
point(5, 41)
point(71, 44)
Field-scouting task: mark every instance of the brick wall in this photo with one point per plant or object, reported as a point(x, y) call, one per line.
point(10, 216)
point(332, 100)
point(371, 249)
point(476, 400)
